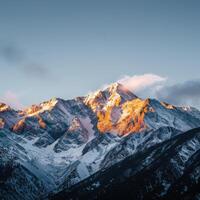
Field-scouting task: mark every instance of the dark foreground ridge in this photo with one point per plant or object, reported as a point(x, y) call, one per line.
point(169, 170)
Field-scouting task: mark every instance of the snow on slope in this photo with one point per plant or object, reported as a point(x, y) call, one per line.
point(70, 147)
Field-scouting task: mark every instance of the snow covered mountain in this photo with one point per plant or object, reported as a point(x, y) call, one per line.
point(165, 171)
point(52, 146)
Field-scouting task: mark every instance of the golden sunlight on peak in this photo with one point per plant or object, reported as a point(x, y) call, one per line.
point(35, 109)
point(168, 106)
point(113, 95)
point(119, 117)
point(113, 87)
point(101, 101)
point(118, 110)
point(118, 86)
point(4, 107)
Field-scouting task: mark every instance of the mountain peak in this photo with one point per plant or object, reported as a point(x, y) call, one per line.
point(35, 109)
point(114, 93)
point(122, 90)
point(118, 110)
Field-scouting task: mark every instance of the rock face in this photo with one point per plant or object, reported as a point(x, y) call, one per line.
point(53, 146)
point(121, 112)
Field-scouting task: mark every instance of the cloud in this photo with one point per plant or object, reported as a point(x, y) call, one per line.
point(11, 53)
point(14, 56)
point(140, 83)
point(186, 93)
point(155, 86)
point(11, 99)
point(36, 70)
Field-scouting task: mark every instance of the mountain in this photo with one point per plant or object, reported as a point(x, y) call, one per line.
point(51, 147)
point(165, 171)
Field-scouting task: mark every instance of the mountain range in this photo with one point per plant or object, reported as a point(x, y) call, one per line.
point(108, 144)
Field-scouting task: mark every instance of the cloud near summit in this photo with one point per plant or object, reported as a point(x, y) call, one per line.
point(186, 93)
point(154, 86)
point(138, 83)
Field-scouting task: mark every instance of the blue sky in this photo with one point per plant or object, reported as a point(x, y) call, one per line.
point(67, 48)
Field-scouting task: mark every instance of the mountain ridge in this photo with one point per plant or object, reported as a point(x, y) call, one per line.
point(114, 106)
point(59, 143)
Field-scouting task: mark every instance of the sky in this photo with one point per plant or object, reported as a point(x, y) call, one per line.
point(65, 48)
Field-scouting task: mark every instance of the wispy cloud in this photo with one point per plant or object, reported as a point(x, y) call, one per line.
point(11, 53)
point(186, 93)
point(140, 83)
point(36, 70)
point(155, 86)
point(16, 57)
